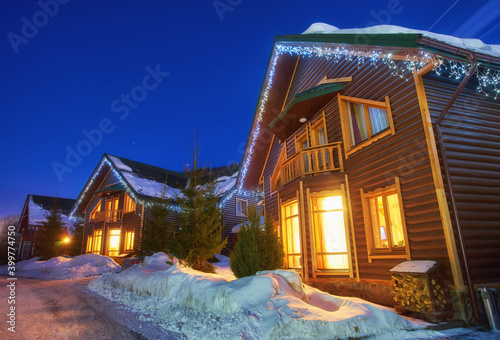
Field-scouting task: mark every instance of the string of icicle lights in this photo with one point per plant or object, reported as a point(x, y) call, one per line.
point(488, 79)
point(118, 175)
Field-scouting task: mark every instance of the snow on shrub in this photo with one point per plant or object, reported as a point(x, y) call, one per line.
point(60, 268)
point(270, 304)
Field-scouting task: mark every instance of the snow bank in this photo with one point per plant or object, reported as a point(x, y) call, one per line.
point(470, 44)
point(270, 304)
point(61, 268)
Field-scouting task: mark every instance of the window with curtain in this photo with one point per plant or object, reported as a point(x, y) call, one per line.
point(330, 235)
point(384, 221)
point(291, 229)
point(364, 121)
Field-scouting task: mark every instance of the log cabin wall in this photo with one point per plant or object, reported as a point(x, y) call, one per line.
point(231, 219)
point(270, 199)
point(471, 136)
point(403, 155)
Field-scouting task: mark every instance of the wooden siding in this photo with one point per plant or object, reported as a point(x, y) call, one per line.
point(230, 219)
point(271, 201)
point(402, 155)
point(471, 136)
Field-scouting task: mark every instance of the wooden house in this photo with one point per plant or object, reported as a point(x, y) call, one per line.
point(377, 146)
point(34, 213)
point(115, 201)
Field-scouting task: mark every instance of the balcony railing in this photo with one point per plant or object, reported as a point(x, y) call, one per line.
point(314, 160)
point(109, 215)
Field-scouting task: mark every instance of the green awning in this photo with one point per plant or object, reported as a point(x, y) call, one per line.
point(109, 190)
point(305, 105)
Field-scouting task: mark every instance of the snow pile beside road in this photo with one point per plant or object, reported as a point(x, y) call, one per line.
point(271, 304)
point(62, 268)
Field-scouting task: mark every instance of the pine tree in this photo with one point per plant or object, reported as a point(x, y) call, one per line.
point(51, 234)
point(75, 246)
point(199, 233)
point(256, 249)
point(157, 231)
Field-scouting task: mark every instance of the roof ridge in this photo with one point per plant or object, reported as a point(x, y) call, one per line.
point(154, 166)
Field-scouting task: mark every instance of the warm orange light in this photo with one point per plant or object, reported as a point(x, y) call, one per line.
point(66, 240)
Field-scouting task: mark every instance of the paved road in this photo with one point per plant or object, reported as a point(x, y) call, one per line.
point(66, 309)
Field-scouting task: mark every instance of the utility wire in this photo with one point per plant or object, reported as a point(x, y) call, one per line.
point(434, 24)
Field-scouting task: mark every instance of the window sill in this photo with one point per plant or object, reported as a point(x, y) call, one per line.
point(388, 256)
point(368, 142)
point(340, 272)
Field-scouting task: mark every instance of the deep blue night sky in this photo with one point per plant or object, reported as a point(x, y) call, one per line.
point(83, 67)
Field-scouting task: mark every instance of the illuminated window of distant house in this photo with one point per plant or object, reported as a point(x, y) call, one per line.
point(96, 246)
point(129, 240)
point(384, 222)
point(364, 121)
point(129, 204)
point(291, 230)
point(241, 207)
point(114, 242)
point(94, 214)
point(89, 244)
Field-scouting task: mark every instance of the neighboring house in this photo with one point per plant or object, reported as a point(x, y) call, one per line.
point(33, 215)
point(115, 202)
point(234, 207)
point(375, 147)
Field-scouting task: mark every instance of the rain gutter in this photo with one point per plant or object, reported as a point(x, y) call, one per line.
point(439, 136)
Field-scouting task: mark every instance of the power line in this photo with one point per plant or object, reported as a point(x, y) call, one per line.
point(441, 17)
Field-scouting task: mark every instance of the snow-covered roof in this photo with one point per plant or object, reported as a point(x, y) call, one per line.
point(475, 45)
point(40, 206)
point(149, 180)
point(225, 183)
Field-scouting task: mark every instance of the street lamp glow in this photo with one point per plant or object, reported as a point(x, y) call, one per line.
point(66, 240)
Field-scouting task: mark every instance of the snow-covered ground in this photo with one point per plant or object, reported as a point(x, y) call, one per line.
point(271, 304)
point(62, 268)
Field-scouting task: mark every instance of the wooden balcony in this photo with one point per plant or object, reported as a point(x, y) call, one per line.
point(311, 161)
point(109, 215)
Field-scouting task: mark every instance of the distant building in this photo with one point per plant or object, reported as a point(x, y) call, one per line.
point(115, 202)
point(33, 215)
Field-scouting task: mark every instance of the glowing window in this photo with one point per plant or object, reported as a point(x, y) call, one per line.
point(330, 233)
point(387, 226)
point(114, 242)
point(94, 214)
point(129, 204)
point(129, 240)
point(89, 244)
point(292, 235)
point(96, 247)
